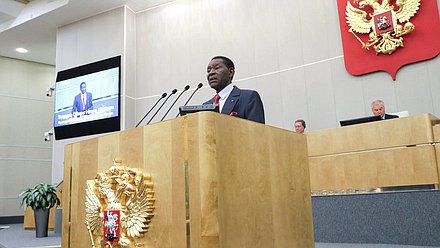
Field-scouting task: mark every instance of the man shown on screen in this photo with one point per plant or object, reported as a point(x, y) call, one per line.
point(232, 101)
point(82, 102)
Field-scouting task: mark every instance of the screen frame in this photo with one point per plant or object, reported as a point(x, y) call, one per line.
point(96, 126)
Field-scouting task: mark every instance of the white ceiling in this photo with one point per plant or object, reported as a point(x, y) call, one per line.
point(32, 24)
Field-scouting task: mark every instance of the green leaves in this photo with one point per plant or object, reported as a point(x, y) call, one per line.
point(41, 196)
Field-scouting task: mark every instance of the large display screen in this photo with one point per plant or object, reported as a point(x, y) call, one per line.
point(87, 99)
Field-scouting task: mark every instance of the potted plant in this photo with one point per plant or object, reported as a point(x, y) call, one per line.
point(41, 198)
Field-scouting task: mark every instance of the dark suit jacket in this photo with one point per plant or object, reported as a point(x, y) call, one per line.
point(245, 104)
point(77, 103)
point(387, 116)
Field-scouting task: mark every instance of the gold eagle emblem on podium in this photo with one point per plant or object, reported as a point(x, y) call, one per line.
point(385, 25)
point(119, 207)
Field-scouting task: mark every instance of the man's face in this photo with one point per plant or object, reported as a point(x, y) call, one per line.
point(83, 88)
point(299, 128)
point(378, 109)
point(218, 74)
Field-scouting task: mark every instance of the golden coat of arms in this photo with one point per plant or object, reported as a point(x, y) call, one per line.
point(119, 207)
point(386, 24)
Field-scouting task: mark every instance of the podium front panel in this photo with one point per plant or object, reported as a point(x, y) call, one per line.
point(219, 181)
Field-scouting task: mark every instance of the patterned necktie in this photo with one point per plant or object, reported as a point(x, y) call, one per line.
point(217, 99)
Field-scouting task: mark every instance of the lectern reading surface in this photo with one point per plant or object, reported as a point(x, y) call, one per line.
point(198, 108)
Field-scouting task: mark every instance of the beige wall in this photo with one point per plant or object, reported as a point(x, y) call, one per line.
point(25, 158)
point(290, 51)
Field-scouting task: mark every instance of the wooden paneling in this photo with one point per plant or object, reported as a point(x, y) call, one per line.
point(146, 148)
point(394, 152)
point(374, 169)
point(245, 186)
point(436, 132)
point(405, 131)
point(252, 189)
point(437, 154)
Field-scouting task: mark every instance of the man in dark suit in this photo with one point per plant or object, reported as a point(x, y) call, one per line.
point(378, 108)
point(83, 101)
point(300, 126)
point(232, 101)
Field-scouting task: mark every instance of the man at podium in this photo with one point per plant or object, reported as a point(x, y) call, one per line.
point(232, 101)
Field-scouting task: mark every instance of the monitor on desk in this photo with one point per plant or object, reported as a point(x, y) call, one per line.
point(360, 120)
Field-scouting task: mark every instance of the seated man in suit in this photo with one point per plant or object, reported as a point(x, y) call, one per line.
point(300, 125)
point(82, 102)
point(232, 101)
point(378, 108)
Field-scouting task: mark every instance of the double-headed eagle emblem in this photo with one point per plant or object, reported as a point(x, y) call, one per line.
point(385, 25)
point(119, 207)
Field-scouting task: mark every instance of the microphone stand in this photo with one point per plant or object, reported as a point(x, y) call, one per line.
point(172, 93)
point(184, 89)
point(198, 87)
point(163, 95)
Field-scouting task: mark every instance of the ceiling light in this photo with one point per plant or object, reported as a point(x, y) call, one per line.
point(21, 50)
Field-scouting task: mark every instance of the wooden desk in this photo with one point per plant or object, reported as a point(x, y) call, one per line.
point(392, 152)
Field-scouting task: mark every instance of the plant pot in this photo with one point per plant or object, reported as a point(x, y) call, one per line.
point(41, 222)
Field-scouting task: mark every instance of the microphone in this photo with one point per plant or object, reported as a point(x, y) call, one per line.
point(163, 96)
point(187, 101)
point(157, 111)
point(184, 89)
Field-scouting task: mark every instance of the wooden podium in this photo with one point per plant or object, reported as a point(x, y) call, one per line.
point(219, 181)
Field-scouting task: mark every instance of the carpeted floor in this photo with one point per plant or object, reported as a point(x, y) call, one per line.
point(14, 236)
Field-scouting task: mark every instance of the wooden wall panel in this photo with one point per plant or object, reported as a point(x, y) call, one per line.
point(437, 155)
point(436, 132)
point(260, 176)
point(374, 169)
point(396, 152)
point(84, 167)
point(405, 131)
point(65, 202)
point(166, 168)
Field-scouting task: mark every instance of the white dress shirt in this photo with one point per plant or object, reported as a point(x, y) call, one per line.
point(224, 93)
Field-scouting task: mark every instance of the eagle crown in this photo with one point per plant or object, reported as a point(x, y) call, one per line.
point(374, 4)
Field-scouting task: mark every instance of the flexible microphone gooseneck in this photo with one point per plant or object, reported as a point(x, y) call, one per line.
point(187, 101)
point(157, 111)
point(184, 89)
point(163, 96)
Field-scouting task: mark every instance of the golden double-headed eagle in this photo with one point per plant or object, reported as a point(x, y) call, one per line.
point(385, 25)
point(127, 191)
